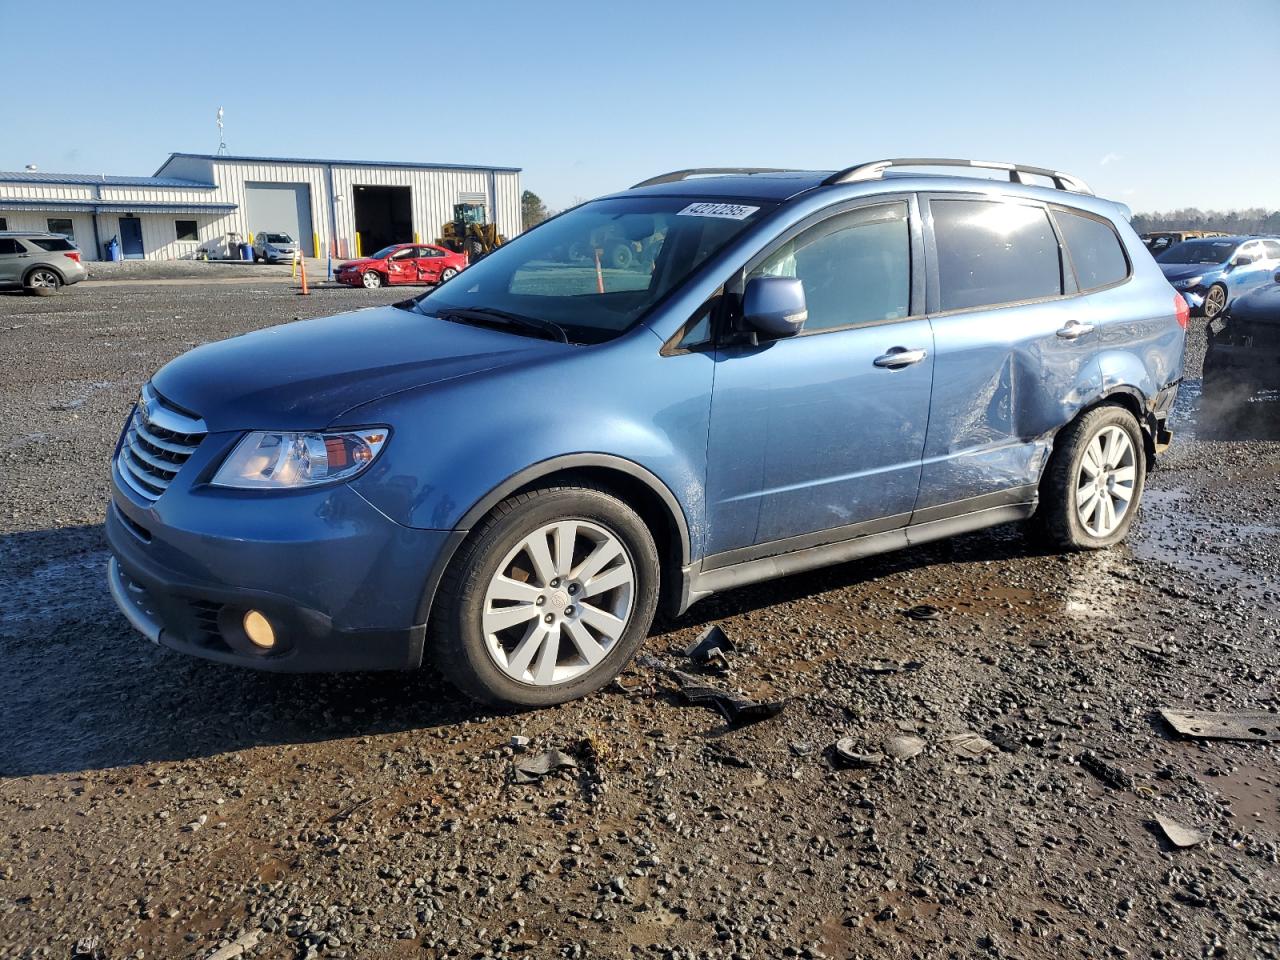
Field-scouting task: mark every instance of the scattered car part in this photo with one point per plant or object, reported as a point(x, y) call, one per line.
point(535, 768)
point(924, 611)
point(1108, 773)
point(970, 745)
point(737, 710)
point(1237, 725)
point(1177, 834)
point(846, 751)
point(708, 644)
point(903, 748)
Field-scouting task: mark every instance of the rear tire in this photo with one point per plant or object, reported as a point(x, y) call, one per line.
point(42, 282)
point(448, 273)
point(1091, 489)
point(563, 640)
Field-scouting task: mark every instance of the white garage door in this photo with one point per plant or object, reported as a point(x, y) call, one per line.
point(280, 208)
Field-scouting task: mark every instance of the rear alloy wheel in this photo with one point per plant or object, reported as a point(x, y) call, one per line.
point(1094, 480)
point(1215, 301)
point(43, 282)
point(548, 599)
point(371, 279)
point(448, 273)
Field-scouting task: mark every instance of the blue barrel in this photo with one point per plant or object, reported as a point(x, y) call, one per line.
point(246, 251)
point(113, 249)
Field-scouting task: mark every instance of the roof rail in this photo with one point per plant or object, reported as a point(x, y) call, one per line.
point(678, 175)
point(875, 170)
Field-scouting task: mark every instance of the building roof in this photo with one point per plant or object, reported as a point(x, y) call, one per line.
point(234, 158)
point(93, 205)
point(106, 180)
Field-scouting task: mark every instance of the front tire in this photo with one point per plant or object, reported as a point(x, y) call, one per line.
point(1215, 301)
point(42, 282)
point(1092, 486)
point(371, 279)
point(548, 598)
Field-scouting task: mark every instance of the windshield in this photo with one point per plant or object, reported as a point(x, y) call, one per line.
point(384, 252)
point(596, 270)
point(277, 238)
point(1199, 251)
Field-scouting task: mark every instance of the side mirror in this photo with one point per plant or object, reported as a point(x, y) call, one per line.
point(775, 306)
point(1276, 278)
point(1242, 260)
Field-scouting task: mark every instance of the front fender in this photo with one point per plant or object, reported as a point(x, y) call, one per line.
point(459, 447)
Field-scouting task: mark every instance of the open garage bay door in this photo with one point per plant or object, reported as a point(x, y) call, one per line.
point(384, 215)
point(280, 208)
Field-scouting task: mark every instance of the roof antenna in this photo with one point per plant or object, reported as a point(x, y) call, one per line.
point(222, 142)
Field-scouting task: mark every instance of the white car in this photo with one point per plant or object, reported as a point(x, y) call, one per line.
point(274, 247)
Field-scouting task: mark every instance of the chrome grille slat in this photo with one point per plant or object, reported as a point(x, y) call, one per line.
point(158, 441)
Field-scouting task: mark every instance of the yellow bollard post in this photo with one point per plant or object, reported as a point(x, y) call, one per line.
point(293, 264)
point(315, 245)
point(358, 253)
point(416, 235)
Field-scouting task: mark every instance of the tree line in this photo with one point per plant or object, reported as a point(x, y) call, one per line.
point(1253, 220)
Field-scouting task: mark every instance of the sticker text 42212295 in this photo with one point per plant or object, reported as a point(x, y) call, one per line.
point(725, 211)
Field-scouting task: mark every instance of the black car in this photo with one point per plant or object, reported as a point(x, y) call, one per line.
point(1244, 344)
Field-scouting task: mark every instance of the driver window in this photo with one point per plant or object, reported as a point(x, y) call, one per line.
point(855, 267)
point(405, 254)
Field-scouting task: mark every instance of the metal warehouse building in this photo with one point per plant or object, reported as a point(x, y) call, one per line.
point(194, 201)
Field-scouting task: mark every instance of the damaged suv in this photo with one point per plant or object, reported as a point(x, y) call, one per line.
point(510, 473)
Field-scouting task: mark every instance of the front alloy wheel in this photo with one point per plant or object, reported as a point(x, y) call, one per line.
point(372, 279)
point(559, 602)
point(1215, 301)
point(548, 597)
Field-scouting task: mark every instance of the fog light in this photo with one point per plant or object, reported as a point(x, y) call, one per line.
point(259, 630)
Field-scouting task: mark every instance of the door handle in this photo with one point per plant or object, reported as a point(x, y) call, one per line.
point(899, 357)
point(1074, 330)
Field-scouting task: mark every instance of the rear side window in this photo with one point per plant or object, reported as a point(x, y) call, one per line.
point(1272, 248)
point(855, 266)
point(9, 245)
point(1095, 250)
point(991, 253)
point(53, 244)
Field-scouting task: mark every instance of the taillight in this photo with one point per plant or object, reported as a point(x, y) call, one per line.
point(73, 255)
point(1181, 311)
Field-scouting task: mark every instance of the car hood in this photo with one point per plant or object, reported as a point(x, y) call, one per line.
point(1180, 271)
point(362, 262)
point(304, 375)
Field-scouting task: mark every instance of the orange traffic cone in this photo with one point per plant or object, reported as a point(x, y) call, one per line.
point(304, 292)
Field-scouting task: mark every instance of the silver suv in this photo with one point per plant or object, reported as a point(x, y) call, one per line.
point(40, 263)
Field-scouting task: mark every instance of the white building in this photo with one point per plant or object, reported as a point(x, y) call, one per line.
point(346, 207)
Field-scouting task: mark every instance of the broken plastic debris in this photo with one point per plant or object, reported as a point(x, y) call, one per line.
point(969, 745)
point(1108, 773)
point(737, 710)
point(88, 948)
point(1177, 834)
point(238, 947)
point(710, 648)
point(892, 666)
point(903, 748)
point(1238, 725)
point(846, 751)
point(519, 743)
point(535, 768)
point(924, 611)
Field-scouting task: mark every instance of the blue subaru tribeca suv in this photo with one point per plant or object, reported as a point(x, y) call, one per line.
point(714, 378)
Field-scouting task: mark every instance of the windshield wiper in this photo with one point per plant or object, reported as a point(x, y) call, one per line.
point(493, 315)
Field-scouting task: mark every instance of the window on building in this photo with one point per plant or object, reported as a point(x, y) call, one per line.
point(1095, 250)
point(991, 253)
point(855, 266)
point(62, 225)
point(187, 230)
point(4, 223)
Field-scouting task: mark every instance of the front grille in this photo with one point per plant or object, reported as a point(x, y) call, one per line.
point(157, 442)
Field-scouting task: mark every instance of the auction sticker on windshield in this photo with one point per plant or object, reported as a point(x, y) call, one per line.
point(725, 211)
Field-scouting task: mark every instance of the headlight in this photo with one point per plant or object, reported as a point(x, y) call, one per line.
point(271, 460)
point(1189, 282)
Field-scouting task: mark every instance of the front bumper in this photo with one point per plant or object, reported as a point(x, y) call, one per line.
point(341, 584)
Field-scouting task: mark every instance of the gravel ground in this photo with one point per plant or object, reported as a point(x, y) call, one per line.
point(167, 807)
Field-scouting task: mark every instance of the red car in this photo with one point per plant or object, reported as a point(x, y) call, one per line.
point(402, 263)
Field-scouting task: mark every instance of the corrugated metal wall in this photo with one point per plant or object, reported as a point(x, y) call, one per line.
point(435, 191)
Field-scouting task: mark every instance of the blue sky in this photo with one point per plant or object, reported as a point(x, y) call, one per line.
point(590, 97)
